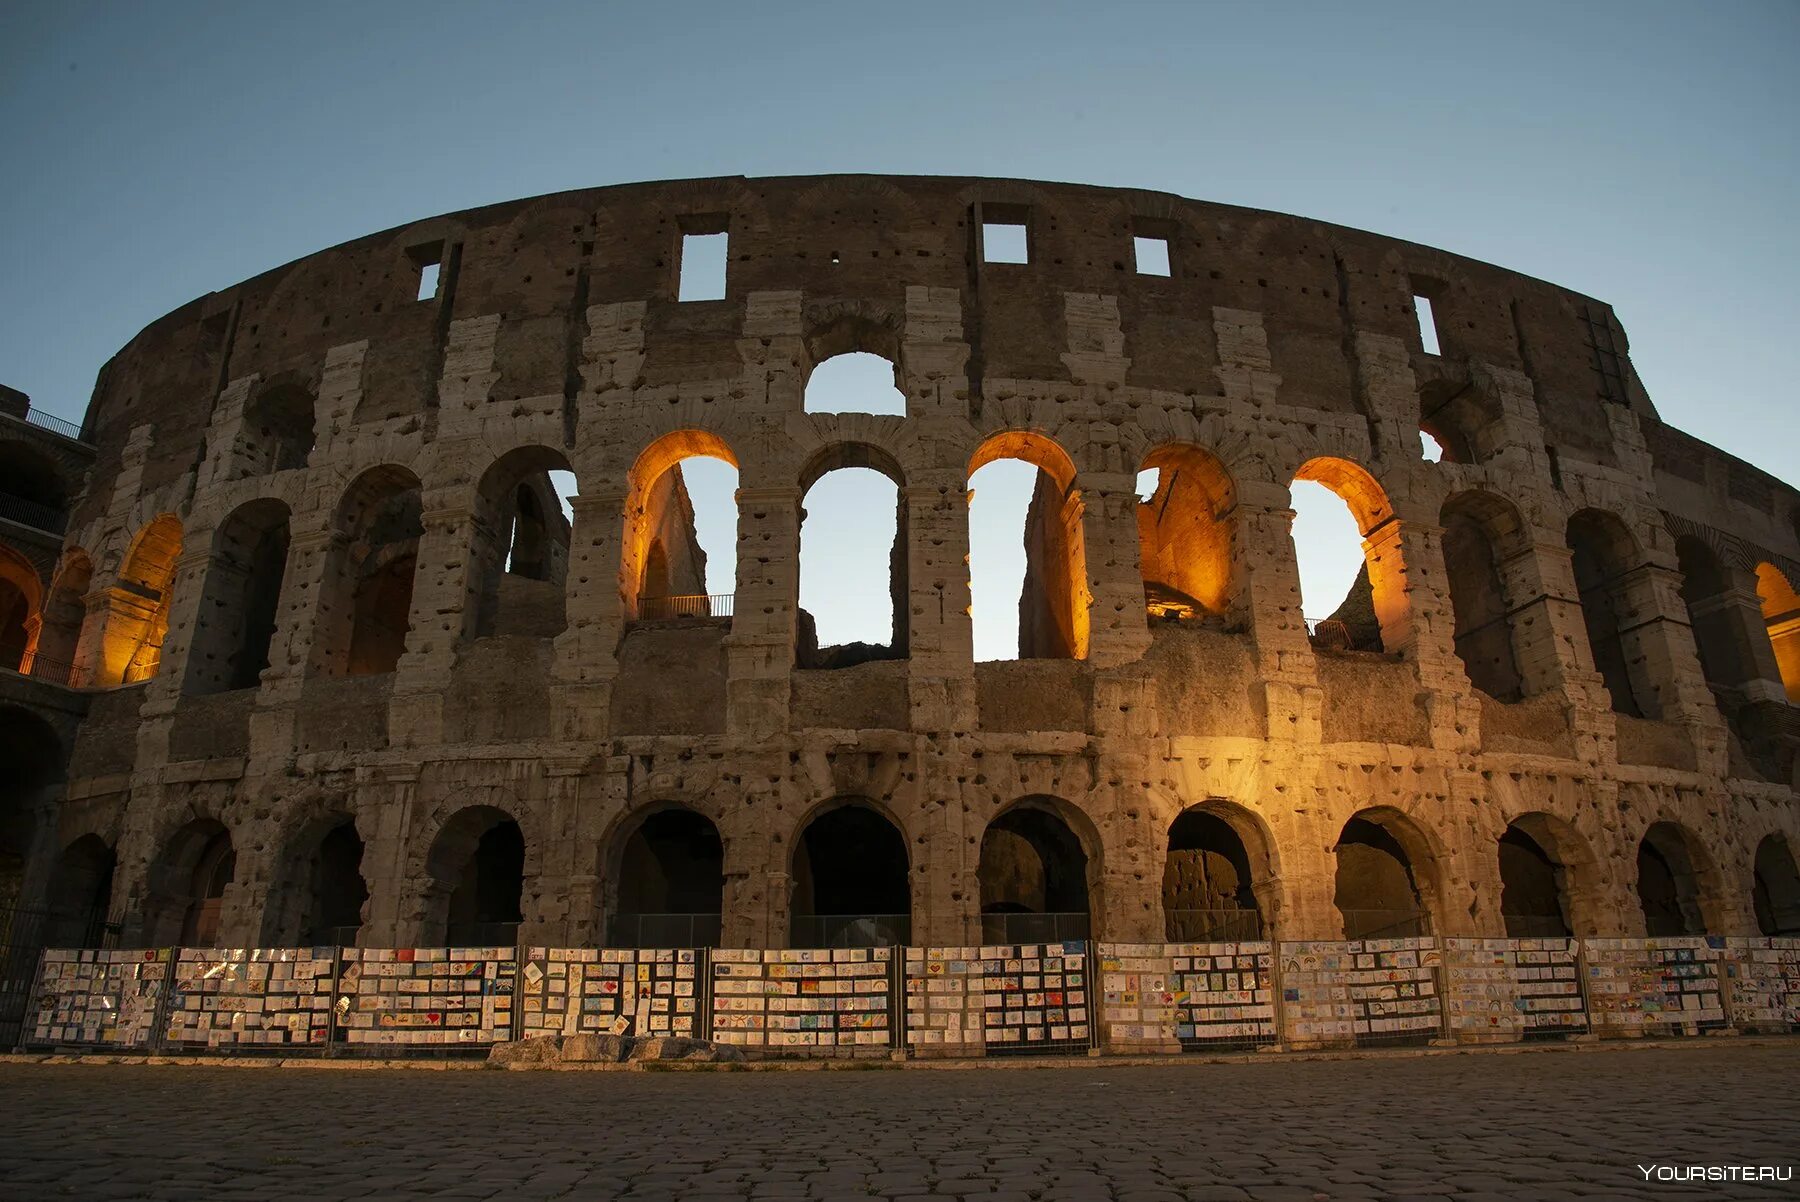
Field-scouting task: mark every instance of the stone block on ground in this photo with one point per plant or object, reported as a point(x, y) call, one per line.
point(600, 1048)
point(677, 1048)
point(526, 1053)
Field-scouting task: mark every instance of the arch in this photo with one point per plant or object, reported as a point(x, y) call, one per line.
point(65, 613)
point(187, 883)
point(1725, 660)
point(1571, 899)
point(1669, 883)
point(1781, 617)
point(1386, 876)
point(21, 609)
point(855, 381)
point(1052, 606)
point(662, 557)
point(476, 879)
point(519, 552)
point(365, 612)
point(1186, 531)
point(831, 531)
point(851, 876)
point(138, 620)
point(81, 893)
point(1604, 552)
point(318, 893)
point(664, 877)
point(32, 761)
point(240, 599)
point(279, 426)
point(1480, 529)
point(32, 476)
point(1219, 880)
point(1037, 874)
point(1775, 892)
point(1375, 608)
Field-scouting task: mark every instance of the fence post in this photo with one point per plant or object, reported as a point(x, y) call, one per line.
point(159, 1022)
point(1277, 1004)
point(31, 1003)
point(897, 999)
point(1727, 983)
point(1581, 983)
point(515, 1024)
point(331, 1010)
point(1441, 982)
point(703, 992)
point(1091, 974)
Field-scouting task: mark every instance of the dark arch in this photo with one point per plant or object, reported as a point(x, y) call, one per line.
point(477, 879)
point(1604, 554)
point(366, 613)
point(32, 476)
point(81, 894)
point(851, 879)
point(31, 766)
point(1668, 883)
point(21, 601)
point(318, 893)
point(1478, 528)
point(1210, 882)
point(1533, 903)
point(241, 596)
point(1034, 875)
point(1776, 892)
point(520, 550)
point(1718, 637)
point(65, 613)
point(1384, 877)
point(186, 886)
point(668, 881)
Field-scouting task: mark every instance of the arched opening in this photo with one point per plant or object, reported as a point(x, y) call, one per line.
point(81, 894)
point(520, 551)
point(318, 895)
point(669, 882)
point(138, 620)
point(1034, 876)
point(1604, 553)
point(853, 563)
point(1209, 884)
point(1781, 617)
point(366, 613)
point(1532, 900)
point(680, 558)
point(1027, 556)
point(1776, 892)
point(855, 382)
point(187, 885)
point(1186, 522)
point(1352, 591)
point(31, 767)
point(31, 477)
point(242, 592)
point(477, 870)
point(1668, 883)
point(278, 428)
point(850, 881)
point(1476, 528)
point(1712, 616)
point(65, 613)
point(1380, 862)
point(21, 604)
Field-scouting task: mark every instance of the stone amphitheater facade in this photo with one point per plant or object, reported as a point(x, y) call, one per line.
point(285, 597)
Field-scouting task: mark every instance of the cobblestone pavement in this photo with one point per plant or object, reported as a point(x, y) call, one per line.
point(1540, 1127)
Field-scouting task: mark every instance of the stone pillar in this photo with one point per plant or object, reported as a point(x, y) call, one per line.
point(384, 808)
point(1265, 572)
point(435, 624)
point(1118, 624)
point(188, 590)
point(759, 651)
point(586, 658)
point(940, 641)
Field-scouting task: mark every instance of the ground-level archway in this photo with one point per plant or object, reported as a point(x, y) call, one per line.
point(1777, 888)
point(1668, 883)
point(1384, 874)
point(851, 880)
point(667, 878)
point(1035, 876)
point(477, 880)
point(1210, 879)
point(81, 894)
point(319, 892)
point(187, 883)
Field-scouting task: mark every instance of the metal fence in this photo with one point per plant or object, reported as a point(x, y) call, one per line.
point(851, 930)
point(696, 605)
point(1212, 926)
point(1034, 928)
point(33, 513)
point(56, 425)
point(24, 932)
point(482, 934)
point(664, 930)
point(40, 667)
point(1385, 924)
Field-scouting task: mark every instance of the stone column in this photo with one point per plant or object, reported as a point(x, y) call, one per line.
point(315, 552)
point(1118, 623)
point(188, 589)
point(586, 656)
point(759, 651)
point(940, 642)
point(384, 808)
point(1265, 572)
point(435, 624)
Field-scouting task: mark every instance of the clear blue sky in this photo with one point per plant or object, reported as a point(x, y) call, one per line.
point(1644, 153)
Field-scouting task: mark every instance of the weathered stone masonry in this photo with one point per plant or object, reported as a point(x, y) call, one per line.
point(316, 470)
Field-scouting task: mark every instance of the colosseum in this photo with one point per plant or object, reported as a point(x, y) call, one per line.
point(304, 651)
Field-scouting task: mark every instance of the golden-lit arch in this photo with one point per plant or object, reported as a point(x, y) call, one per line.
point(1781, 614)
point(1374, 514)
point(650, 506)
point(1055, 548)
point(1186, 529)
point(139, 614)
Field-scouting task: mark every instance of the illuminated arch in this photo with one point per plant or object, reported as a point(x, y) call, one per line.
point(1781, 617)
point(1053, 608)
point(661, 555)
point(1383, 624)
point(1186, 530)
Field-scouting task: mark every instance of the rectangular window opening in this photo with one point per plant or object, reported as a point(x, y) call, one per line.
point(428, 282)
point(1428, 330)
point(1152, 254)
point(1004, 242)
point(703, 259)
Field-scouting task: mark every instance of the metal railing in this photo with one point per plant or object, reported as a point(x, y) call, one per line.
point(1035, 928)
point(695, 605)
point(1535, 926)
point(24, 933)
point(41, 667)
point(56, 425)
point(1385, 924)
point(1212, 926)
point(482, 934)
point(664, 930)
point(35, 514)
point(851, 930)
